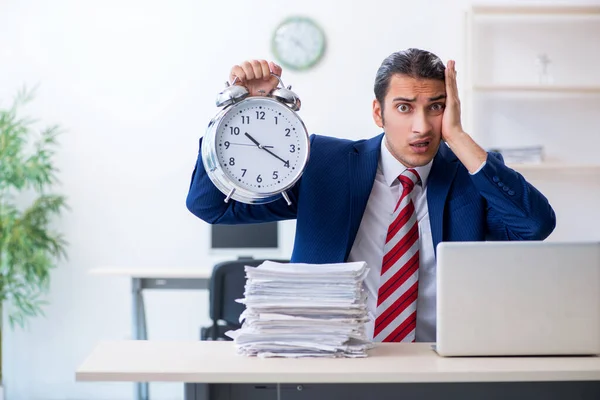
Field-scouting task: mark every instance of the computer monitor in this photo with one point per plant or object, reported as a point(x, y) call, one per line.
point(245, 236)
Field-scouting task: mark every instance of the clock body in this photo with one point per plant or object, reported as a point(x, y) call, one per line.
point(255, 149)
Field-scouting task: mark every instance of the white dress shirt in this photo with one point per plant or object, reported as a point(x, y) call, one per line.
point(370, 240)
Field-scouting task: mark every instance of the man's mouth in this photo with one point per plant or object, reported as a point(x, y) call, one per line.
point(420, 146)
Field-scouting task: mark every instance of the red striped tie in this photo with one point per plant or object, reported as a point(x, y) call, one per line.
point(398, 286)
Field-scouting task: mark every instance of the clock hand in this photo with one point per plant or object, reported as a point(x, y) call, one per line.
point(298, 43)
point(286, 163)
point(253, 140)
point(248, 144)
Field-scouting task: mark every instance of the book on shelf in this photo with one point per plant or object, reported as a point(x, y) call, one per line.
point(521, 155)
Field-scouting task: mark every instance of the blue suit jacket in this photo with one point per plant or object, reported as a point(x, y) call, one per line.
point(329, 200)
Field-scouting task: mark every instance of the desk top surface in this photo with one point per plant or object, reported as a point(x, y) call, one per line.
point(159, 273)
point(218, 362)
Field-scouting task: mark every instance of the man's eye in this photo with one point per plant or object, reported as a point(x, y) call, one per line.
point(403, 108)
point(438, 107)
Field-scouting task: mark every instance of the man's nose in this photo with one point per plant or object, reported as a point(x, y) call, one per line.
point(420, 123)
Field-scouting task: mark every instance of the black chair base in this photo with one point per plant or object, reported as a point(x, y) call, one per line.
point(216, 332)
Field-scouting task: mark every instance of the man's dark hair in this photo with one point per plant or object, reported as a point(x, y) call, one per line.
point(415, 63)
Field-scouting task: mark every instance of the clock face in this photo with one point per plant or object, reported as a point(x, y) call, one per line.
point(261, 145)
point(298, 43)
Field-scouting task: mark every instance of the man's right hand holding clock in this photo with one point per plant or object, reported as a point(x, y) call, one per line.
point(256, 76)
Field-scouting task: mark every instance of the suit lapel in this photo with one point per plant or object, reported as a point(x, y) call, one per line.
point(440, 179)
point(362, 163)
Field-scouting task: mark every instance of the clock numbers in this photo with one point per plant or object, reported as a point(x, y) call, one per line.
point(260, 115)
point(260, 147)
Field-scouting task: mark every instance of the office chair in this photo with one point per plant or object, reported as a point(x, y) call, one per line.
point(226, 285)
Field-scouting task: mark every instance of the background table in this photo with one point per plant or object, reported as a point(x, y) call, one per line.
point(154, 278)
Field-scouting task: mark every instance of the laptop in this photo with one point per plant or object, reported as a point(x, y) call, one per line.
point(518, 298)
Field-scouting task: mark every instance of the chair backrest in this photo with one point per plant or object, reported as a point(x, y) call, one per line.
point(226, 285)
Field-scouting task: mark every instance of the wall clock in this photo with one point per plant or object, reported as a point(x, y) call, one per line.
point(298, 43)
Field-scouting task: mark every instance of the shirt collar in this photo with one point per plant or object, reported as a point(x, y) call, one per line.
point(392, 168)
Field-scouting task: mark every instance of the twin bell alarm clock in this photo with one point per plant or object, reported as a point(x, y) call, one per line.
point(256, 147)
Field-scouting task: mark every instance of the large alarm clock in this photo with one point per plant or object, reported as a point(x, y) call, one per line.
point(257, 147)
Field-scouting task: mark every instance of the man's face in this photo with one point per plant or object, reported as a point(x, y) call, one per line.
point(412, 118)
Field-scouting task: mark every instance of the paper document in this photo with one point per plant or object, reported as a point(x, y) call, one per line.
point(304, 310)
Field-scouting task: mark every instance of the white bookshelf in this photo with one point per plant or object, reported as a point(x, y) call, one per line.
point(535, 10)
point(557, 167)
point(510, 102)
point(581, 89)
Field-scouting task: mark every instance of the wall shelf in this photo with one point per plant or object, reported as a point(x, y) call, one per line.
point(536, 10)
point(538, 88)
point(556, 167)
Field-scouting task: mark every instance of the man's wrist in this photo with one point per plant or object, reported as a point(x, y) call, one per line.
point(467, 150)
point(454, 137)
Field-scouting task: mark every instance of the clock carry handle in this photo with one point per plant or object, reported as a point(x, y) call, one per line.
point(234, 93)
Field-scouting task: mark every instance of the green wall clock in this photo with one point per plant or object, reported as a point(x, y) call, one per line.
point(298, 43)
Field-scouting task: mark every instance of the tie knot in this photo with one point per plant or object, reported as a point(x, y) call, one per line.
point(408, 179)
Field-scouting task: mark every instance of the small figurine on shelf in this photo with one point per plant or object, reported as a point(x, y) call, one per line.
point(544, 77)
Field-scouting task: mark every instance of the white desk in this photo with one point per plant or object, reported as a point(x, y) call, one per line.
point(407, 365)
point(154, 278)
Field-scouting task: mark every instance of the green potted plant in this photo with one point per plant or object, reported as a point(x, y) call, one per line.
point(29, 246)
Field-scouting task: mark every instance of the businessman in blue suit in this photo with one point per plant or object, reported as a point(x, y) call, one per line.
point(346, 197)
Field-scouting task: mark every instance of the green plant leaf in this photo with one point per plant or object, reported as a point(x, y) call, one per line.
point(29, 247)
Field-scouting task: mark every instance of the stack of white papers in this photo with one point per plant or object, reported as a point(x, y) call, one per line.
point(304, 310)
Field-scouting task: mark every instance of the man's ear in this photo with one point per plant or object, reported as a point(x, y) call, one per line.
point(377, 113)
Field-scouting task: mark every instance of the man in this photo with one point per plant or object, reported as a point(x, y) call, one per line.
point(391, 199)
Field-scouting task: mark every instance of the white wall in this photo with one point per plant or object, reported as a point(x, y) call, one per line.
point(133, 82)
